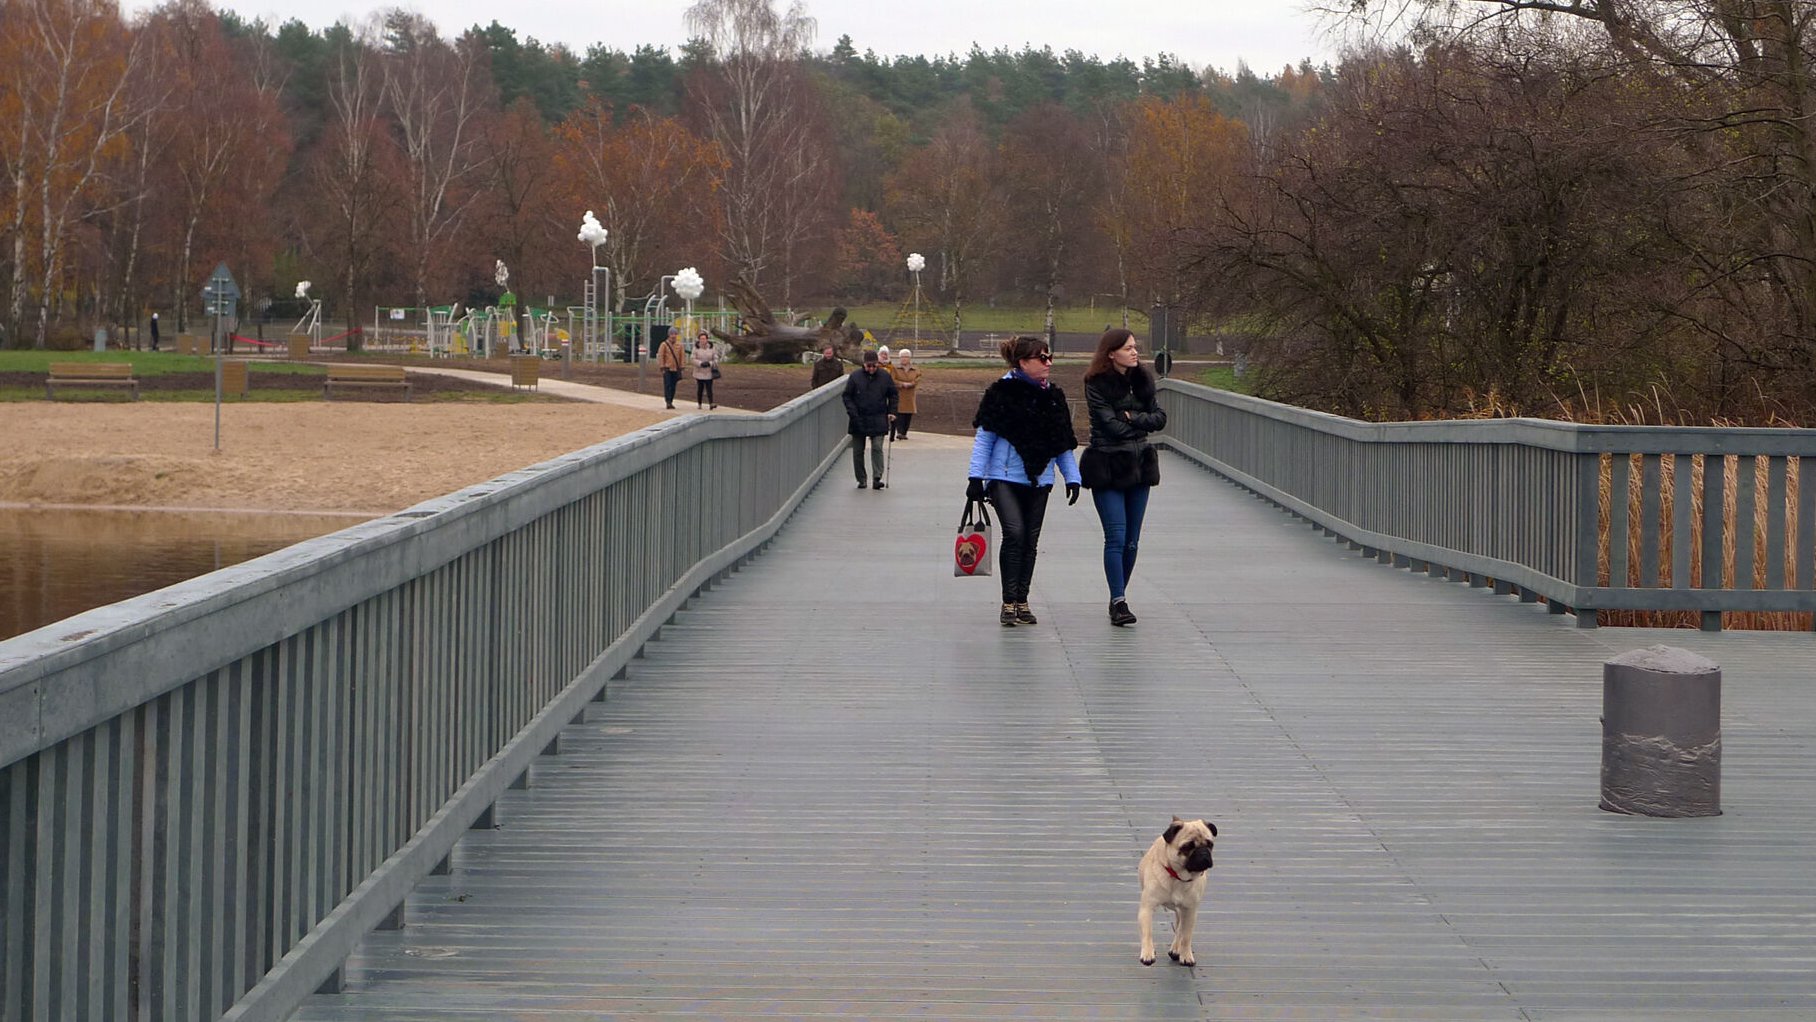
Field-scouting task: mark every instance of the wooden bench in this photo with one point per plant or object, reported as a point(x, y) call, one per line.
point(89, 374)
point(365, 376)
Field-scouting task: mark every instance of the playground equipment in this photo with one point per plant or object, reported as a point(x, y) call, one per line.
point(543, 334)
point(311, 323)
point(438, 329)
point(910, 314)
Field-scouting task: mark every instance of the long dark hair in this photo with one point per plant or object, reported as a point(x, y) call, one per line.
point(1022, 346)
point(1112, 339)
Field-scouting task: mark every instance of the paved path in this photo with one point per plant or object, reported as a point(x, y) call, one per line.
point(837, 789)
point(557, 386)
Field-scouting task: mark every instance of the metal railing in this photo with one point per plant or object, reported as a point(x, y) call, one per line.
point(209, 794)
point(1588, 518)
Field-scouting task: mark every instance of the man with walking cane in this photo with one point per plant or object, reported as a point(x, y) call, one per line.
point(870, 401)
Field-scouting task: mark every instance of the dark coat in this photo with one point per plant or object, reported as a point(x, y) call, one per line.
point(1124, 410)
point(870, 400)
point(825, 371)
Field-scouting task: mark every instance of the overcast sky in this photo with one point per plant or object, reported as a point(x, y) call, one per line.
point(1265, 33)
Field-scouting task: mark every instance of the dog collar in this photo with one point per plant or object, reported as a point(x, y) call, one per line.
point(1175, 876)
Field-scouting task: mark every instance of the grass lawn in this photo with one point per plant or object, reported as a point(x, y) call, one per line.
point(144, 363)
point(877, 317)
point(1222, 377)
point(273, 382)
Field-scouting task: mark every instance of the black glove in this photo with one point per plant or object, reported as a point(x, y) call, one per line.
point(974, 490)
point(1071, 493)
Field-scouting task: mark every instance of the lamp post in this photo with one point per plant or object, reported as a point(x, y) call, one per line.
point(916, 263)
point(593, 234)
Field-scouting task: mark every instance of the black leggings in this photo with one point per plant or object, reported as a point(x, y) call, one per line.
point(1020, 510)
point(703, 392)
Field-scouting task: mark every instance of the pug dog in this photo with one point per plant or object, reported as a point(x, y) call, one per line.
point(1172, 877)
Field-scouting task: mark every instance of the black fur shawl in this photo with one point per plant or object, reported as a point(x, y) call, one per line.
point(1035, 420)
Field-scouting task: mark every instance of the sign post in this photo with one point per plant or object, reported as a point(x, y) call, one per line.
point(219, 297)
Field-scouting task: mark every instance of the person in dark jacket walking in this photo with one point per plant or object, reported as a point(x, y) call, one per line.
point(154, 331)
point(827, 369)
point(1024, 442)
point(870, 399)
point(1120, 466)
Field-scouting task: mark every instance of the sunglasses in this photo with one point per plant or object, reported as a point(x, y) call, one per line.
point(1042, 357)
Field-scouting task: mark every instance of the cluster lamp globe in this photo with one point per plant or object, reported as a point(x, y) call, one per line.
point(916, 263)
point(689, 285)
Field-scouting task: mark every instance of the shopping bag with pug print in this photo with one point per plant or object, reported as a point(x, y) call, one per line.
point(975, 549)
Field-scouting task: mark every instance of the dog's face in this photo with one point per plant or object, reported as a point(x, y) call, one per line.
point(1189, 844)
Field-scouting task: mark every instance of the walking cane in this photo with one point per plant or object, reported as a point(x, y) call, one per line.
point(888, 448)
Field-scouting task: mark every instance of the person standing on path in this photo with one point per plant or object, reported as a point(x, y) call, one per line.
point(1120, 466)
point(870, 400)
point(907, 378)
point(154, 332)
point(1024, 434)
point(827, 369)
point(672, 359)
point(706, 369)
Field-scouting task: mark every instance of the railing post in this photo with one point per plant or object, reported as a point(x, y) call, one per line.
point(1586, 542)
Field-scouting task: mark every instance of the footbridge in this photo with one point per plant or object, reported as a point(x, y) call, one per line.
point(685, 726)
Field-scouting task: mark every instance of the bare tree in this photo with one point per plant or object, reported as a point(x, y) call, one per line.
point(757, 104)
point(1052, 186)
point(949, 195)
point(1746, 74)
point(434, 95)
point(353, 174)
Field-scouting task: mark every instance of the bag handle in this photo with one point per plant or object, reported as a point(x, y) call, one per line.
point(983, 515)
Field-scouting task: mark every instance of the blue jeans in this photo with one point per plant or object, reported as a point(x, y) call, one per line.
point(1121, 512)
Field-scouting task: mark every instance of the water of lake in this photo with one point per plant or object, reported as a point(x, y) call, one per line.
point(58, 562)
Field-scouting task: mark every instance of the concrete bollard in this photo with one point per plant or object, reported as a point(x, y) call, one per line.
point(1661, 733)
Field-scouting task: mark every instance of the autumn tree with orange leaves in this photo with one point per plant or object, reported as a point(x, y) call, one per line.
point(650, 181)
point(66, 105)
point(1182, 157)
point(223, 146)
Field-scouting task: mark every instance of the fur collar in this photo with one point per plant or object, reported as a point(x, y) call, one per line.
point(1036, 421)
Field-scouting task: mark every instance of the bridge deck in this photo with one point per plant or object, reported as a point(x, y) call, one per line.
point(836, 788)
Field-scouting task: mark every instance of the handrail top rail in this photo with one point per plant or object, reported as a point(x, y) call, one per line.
point(1548, 434)
point(248, 599)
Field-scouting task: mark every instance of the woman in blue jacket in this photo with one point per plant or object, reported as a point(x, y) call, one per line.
point(1024, 433)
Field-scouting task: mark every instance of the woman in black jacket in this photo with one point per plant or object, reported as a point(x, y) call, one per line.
point(1120, 465)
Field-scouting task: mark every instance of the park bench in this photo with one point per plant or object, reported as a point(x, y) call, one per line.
point(365, 376)
point(89, 374)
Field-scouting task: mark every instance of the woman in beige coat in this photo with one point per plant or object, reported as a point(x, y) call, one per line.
point(706, 365)
point(907, 379)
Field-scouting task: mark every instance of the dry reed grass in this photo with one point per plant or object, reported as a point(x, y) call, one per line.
point(1663, 410)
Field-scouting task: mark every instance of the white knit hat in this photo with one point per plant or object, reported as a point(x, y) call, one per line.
point(882, 351)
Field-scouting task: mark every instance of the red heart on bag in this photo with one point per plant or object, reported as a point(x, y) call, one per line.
point(969, 550)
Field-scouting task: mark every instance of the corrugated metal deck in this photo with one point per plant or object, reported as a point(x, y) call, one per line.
point(836, 788)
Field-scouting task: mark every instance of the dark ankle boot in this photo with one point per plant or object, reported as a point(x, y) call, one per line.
point(1120, 614)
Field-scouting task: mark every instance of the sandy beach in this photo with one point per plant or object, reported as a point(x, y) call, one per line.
point(360, 457)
